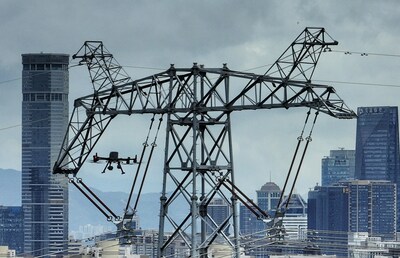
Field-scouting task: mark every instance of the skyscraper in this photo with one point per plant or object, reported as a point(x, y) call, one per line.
point(327, 219)
point(372, 208)
point(44, 122)
point(340, 165)
point(377, 146)
point(357, 206)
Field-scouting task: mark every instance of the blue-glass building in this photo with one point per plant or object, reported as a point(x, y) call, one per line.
point(327, 220)
point(218, 210)
point(296, 206)
point(372, 208)
point(268, 197)
point(44, 122)
point(338, 166)
point(377, 146)
point(351, 206)
point(295, 219)
point(11, 228)
point(250, 226)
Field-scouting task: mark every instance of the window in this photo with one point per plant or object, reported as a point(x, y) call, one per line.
point(56, 66)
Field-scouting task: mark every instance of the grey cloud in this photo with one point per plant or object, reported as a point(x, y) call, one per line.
point(244, 34)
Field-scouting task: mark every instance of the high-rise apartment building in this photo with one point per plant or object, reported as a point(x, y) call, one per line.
point(338, 166)
point(377, 146)
point(44, 122)
point(372, 208)
point(358, 206)
point(328, 208)
point(11, 228)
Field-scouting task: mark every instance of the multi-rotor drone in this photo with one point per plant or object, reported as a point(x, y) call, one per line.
point(113, 158)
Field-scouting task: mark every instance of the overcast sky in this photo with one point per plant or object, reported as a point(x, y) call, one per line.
point(244, 34)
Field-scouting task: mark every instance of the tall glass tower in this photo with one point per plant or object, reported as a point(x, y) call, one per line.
point(372, 208)
point(377, 146)
point(44, 122)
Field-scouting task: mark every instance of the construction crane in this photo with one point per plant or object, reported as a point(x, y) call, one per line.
point(196, 103)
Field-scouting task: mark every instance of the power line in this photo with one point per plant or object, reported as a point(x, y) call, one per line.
point(324, 81)
point(361, 83)
point(254, 68)
point(28, 123)
point(346, 52)
point(144, 67)
point(363, 53)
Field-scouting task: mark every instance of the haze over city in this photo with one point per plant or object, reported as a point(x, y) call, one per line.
point(147, 36)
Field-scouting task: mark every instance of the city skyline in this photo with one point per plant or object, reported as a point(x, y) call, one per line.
point(246, 37)
point(146, 37)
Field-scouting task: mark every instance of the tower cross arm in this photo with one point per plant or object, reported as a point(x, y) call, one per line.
point(186, 92)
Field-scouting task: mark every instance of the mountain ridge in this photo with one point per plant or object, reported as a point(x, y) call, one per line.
point(82, 211)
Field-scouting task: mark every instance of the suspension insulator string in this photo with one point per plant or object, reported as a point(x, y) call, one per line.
point(72, 181)
point(299, 140)
point(80, 181)
point(308, 139)
point(153, 145)
point(145, 145)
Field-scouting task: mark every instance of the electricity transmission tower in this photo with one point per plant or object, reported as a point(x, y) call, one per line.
point(196, 103)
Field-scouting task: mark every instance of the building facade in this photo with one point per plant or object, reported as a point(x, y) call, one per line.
point(11, 228)
point(218, 210)
point(338, 166)
point(327, 219)
point(295, 219)
point(268, 197)
point(377, 146)
point(372, 208)
point(357, 206)
point(250, 225)
point(44, 122)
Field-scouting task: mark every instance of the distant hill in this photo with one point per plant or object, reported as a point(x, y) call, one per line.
point(10, 187)
point(82, 212)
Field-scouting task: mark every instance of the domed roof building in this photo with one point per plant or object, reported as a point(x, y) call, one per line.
point(268, 196)
point(270, 187)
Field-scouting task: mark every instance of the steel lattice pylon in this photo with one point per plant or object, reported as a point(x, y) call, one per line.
point(197, 103)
